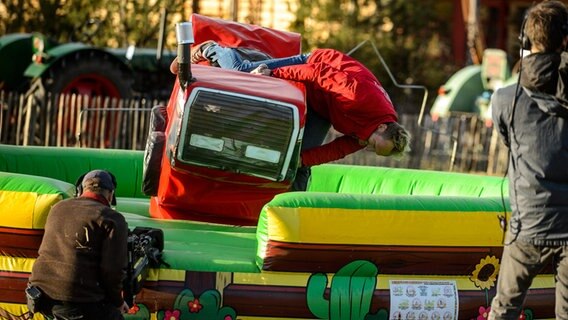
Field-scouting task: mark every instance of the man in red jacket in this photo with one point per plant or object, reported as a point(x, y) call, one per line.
point(340, 91)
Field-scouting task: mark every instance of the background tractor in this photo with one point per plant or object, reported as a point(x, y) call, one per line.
point(32, 61)
point(469, 90)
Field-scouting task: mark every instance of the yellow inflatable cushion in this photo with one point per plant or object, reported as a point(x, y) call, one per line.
point(26, 200)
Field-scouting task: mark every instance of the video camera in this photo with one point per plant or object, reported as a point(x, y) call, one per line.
point(145, 246)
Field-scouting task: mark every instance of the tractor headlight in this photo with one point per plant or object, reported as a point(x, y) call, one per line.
point(204, 142)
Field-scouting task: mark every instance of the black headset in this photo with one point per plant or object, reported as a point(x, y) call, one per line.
point(79, 185)
point(523, 38)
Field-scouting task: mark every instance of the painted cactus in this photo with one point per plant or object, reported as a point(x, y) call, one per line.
point(206, 307)
point(351, 292)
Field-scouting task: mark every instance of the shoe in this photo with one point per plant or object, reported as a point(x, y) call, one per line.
point(197, 51)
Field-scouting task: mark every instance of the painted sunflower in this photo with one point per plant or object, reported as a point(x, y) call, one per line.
point(485, 272)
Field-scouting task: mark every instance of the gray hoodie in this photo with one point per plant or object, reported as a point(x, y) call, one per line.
point(535, 129)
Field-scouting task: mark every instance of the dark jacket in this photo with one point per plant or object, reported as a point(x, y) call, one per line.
point(344, 92)
point(535, 129)
point(83, 254)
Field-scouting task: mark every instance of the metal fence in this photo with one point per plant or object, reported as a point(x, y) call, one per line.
point(72, 120)
point(459, 143)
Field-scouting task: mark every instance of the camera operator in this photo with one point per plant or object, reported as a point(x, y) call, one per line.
point(532, 120)
point(83, 255)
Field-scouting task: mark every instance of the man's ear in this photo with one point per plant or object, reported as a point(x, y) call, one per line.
point(79, 185)
point(382, 127)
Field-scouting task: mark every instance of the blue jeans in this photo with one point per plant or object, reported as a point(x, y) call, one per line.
point(315, 132)
point(228, 58)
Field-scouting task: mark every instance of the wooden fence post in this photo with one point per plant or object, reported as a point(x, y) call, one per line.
point(30, 121)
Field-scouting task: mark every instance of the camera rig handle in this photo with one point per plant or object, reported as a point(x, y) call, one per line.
point(145, 246)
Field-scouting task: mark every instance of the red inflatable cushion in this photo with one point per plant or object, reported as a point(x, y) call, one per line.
point(276, 43)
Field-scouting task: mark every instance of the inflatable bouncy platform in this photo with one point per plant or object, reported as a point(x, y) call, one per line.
point(361, 243)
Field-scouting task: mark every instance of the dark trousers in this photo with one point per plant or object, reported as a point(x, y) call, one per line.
point(315, 131)
point(520, 263)
point(61, 310)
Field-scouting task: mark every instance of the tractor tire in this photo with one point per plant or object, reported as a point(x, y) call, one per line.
point(154, 150)
point(89, 73)
point(85, 73)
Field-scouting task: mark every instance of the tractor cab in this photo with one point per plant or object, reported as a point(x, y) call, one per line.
point(230, 141)
point(495, 73)
point(469, 90)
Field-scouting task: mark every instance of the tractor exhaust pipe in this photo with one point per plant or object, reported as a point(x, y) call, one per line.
point(184, 32)
point(162, 36)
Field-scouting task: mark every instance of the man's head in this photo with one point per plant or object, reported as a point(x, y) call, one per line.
point(100, 182)
point(546, 26)
point(389, 139)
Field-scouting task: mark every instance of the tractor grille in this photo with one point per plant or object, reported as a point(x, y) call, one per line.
point(238, 133)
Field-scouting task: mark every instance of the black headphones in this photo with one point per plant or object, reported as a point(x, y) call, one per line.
point(524, 39)
point(79, 185)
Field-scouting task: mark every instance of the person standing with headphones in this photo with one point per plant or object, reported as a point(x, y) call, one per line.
point(83, 255)
point(531, 118)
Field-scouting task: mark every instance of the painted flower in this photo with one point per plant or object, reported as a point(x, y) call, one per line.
point(483, 313)
point(134, 310)
point(194, 306)
point(172, 314)
point(523, 316)
point(228, 318)
point(485, 273)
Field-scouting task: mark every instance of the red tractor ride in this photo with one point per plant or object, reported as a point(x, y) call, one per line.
point(229, 142)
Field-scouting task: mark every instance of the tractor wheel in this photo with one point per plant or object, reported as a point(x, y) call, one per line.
point(88, 74)
point(91, 74)
point(154, 150)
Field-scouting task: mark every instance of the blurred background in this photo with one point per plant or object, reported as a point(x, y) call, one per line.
point(459, 51)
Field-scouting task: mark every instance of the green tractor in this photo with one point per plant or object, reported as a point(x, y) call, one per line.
point(32, 61)
point(469, 90)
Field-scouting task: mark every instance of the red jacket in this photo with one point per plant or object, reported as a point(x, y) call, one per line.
point(343, 91)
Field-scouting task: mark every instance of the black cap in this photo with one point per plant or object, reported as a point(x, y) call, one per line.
point(98, 178)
